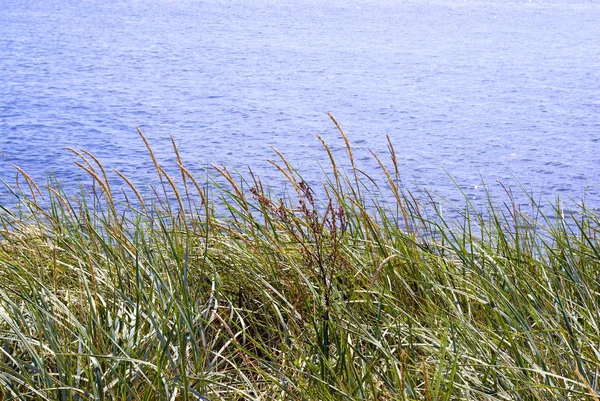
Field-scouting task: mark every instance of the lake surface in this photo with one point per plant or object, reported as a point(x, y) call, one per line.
point(483, 89)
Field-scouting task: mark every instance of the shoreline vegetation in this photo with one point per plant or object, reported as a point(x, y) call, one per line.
point(308, 297)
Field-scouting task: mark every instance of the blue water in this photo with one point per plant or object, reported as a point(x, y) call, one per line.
point(482, 89)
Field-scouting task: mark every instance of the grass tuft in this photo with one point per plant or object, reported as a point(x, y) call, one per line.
point(216, 289)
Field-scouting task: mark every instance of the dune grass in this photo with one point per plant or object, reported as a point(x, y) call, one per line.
point(222, 291)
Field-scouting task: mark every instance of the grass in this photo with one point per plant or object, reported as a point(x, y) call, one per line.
point(218, 290)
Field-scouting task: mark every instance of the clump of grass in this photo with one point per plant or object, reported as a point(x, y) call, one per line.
point(220, 290)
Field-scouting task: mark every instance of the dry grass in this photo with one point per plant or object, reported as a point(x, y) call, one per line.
point(329, 297)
